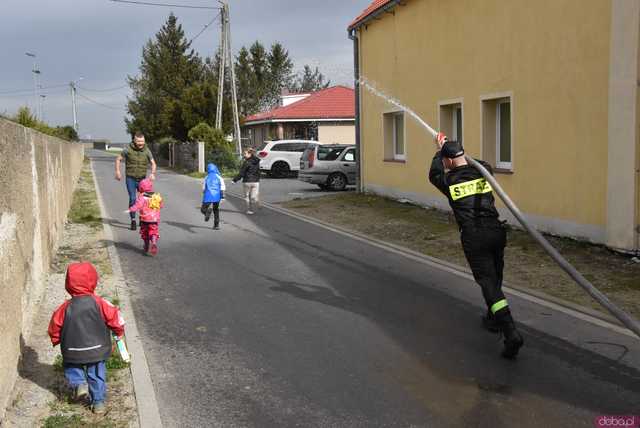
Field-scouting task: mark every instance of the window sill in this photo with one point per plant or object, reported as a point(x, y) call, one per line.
point(503, 171)
point(395, 160)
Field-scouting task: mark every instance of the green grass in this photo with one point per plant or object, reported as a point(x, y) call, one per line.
point(84, 207)
point(66, 421)
point(75, 421)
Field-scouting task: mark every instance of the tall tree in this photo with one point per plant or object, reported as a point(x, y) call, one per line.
point(169, 66)
point(310, 80)
point(245, 80)
point(280, 75)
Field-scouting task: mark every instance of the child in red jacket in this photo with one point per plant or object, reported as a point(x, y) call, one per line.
point(149, 204)
point(81, 326)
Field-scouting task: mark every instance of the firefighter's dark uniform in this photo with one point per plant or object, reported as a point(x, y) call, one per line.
point(482, 234)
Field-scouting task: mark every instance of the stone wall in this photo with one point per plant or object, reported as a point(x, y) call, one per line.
point(37, 177)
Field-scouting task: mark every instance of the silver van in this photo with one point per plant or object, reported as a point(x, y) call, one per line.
point(331, 166)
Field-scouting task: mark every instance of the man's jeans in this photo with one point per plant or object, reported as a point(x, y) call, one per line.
point(132, 188)
point(251, 195)
point(94, 374)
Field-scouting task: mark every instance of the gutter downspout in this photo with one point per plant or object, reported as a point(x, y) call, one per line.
point(356, 74)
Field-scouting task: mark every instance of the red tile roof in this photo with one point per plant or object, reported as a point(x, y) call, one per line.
point(375, 5)
point(337, 102)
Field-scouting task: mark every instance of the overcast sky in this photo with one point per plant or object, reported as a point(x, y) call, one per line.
point(101, 41)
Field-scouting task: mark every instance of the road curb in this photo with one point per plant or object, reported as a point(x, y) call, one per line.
point(148, 411)
point(543, 299)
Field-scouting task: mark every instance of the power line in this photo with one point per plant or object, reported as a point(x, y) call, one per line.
point(99, 103)
point(16, 91)
point(144, 3)
point(104, 90)
point(204, 29)
point(58, 90)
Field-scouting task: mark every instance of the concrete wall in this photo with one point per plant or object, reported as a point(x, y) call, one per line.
point(37, 177)
point(552, 57)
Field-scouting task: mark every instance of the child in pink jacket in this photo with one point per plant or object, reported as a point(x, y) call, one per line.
point(149, 204)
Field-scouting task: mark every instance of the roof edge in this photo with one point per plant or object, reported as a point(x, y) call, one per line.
point(372, 15)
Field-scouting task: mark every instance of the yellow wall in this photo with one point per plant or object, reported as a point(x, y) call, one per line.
point(336, 133)
point(552, 55)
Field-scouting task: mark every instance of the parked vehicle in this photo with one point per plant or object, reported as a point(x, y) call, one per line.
point(329, 166)
point(280, 158)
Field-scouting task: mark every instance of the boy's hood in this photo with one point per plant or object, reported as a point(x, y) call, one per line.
point(212, 169)
point(82, 279)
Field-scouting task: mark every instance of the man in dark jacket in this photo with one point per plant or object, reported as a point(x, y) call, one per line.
point(250, 176)
point(482, 234)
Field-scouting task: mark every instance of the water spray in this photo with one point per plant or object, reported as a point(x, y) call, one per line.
point(626, 319)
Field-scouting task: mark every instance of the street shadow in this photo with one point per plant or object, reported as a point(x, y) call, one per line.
point(116, 223)
point(122, 246)
point(191, 228)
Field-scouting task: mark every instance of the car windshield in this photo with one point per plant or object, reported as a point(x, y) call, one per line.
point(262, 146)
point(329, 153)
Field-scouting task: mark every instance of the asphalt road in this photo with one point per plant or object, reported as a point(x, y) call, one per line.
point(274, 322)
point(276, 190)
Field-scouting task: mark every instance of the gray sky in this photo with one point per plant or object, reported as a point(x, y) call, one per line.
point(102, 41)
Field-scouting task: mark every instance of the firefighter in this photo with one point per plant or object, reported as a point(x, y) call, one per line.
point(482, 234)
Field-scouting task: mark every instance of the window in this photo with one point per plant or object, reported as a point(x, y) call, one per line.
point(451, 119)
point(350, 156)
point(394, 139)
point(329, 153)
point(497, 138)
point(503, 137)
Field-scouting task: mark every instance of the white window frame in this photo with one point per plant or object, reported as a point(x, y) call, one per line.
point(454, 104)
point(454, 123)
point(499, 164)
point(396, 155)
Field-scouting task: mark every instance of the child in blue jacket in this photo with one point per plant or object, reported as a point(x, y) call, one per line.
point(212, 193)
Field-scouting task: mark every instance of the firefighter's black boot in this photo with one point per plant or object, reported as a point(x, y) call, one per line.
point(513, 340)
point(489, 322)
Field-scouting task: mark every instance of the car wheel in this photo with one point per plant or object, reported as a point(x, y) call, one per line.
point(337, 181)
point(280, 169)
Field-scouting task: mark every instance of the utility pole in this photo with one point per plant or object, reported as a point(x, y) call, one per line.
point(36, 85)
point(73, 106)
point(223, 58)
point(234, 94)
point(226, 60)
point(72, 85)
point(42, 98)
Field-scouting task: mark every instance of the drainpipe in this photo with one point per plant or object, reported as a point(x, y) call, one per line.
point(356, 73)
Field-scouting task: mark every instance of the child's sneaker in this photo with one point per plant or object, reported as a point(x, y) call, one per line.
point(81, 392)
point(146, 246)
point(99, 408)
point(154, 249)
point(216, 227)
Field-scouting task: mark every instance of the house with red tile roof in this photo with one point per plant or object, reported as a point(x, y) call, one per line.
point(327, 116)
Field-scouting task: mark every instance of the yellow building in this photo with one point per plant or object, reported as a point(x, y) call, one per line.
point(544, 90)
